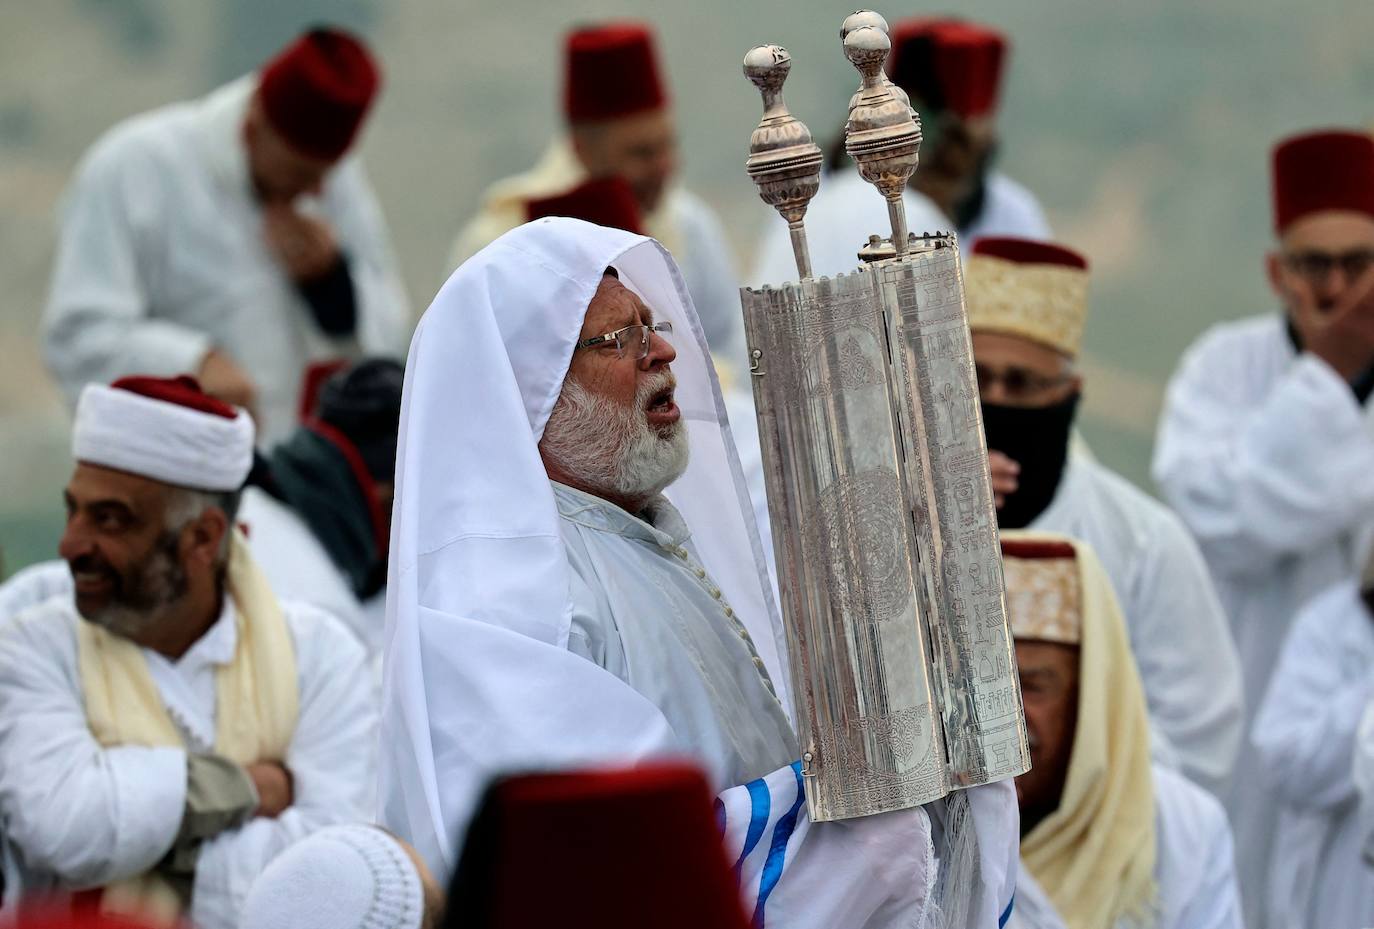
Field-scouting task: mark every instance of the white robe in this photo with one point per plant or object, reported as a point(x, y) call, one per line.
point(295, 563)
point(1306, 737)
point(1178, 631)
point(162, 257)
point(848, 209)
point(1194, 870)
point(78, 815)
point(1270, 461)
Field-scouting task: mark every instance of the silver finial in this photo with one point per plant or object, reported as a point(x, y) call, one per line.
point(784, 162)
point(883, 134)
point(860, 18)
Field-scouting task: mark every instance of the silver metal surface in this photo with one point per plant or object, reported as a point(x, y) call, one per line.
point(881, 506)
point(784, 161)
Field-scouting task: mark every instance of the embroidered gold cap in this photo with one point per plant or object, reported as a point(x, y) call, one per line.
point(1036, 290)
point(1044, 597)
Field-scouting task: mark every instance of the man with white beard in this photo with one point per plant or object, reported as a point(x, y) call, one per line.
point(550, 608)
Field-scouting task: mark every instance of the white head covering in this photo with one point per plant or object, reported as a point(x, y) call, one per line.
point(342, 877)
point(479, 680)
point(163, 439)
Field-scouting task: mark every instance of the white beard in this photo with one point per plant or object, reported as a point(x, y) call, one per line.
point(610, 447)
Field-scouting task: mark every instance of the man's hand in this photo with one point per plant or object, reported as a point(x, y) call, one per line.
point(304, 245)
point(274, 786)
point(1343, 337)
point(222, 378)
point(1005, 477)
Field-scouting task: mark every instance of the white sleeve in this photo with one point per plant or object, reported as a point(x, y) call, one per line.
point(1364, 777)
point(86, 814)
point(1187, 658)
point(876, 872)
point(1256, 483)
point(1305, 729)
point(1215, 901)
point(97, 324)
point(384, 320)
point(331, 759)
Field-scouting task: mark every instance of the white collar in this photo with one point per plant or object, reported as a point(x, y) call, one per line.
point(660, 522)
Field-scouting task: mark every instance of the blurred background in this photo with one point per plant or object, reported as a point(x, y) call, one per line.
point(1144, 128)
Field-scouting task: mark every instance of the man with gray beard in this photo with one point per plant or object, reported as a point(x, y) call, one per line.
point(576, 581)
point(169, 726)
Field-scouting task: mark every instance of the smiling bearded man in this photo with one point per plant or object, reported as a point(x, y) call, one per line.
point(577, 581)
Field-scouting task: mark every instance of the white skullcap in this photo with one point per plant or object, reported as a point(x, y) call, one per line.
point(166, 429)
point(342, 877)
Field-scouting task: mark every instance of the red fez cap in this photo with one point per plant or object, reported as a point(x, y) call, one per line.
point(948, 64)
point(612, 850)
point(606, 201)
point(1323, 171)
point(1029, 252)
point(612, 70)
point(80, 913)
point(183, 391)
point(316, 92)
point(1033, 548)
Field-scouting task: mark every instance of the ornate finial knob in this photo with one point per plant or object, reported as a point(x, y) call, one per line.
point(860, 18)
point(783, 160)
point(882, 135)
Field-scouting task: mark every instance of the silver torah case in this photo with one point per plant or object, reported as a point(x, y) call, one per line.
point(883, 520)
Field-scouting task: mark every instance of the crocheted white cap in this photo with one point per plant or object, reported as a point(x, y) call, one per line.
point(342, 877)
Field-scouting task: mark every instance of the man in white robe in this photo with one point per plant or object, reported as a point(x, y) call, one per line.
point(576, 580)
point(232, 236)
point(1111, 839)
point(172, 726)
point(1027, 306)
point(620, 124)
point(1266, 445)
point(952, 71)
point(1306, 737)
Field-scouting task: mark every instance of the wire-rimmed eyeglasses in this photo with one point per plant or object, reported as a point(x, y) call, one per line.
point(632, 339)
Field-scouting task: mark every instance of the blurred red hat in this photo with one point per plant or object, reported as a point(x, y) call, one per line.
point(1029, 252)
point(611, 71)
point(606, 201)
point(948, 64)
point(317, 91)
point(619, 849)
point(1318, 171)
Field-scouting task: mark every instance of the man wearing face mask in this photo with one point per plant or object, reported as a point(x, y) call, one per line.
point(1266, 443)
point(1027, 304)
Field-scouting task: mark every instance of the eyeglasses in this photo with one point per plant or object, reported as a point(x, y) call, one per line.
point(1317, 266)
point(1018, 383)
point(632, 339)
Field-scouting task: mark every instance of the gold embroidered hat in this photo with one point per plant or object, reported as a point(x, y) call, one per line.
point(1044, 594)
point(1036, 290)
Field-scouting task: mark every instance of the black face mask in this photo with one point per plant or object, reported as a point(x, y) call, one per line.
point(1036, 438)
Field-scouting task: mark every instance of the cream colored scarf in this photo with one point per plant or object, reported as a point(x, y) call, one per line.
point(1095, 855)
point(558, 171)
point(256, 696)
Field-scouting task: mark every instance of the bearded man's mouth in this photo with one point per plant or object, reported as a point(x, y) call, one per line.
point(661, 410)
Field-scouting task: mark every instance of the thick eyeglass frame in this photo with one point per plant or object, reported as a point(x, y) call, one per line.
point(1019, 383)
point(1316, 266)
point(622, 341)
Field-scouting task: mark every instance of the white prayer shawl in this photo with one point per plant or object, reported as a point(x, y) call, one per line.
point(848, 209)
point(80, 815)
point(1179, 634)
point(162, 257)
point(487, 652)
point(1194, 869)
point(1269, 460)
point(1306, 736)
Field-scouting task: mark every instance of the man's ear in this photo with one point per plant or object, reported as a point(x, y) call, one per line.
point(205, 535)
point(1273, 269)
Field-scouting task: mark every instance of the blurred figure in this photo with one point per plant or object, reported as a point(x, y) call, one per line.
point(233, 237)
point(620, 124)
point(1307, 737)
point(1027, 306)
point(952, 71)
point(173, 726)
point(1112, 840)
point(345, 877)
point(1266, 441)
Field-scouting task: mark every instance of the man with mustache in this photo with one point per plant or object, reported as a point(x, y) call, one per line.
point(617, 164)
point(1027, 305)
point(1266, 440)
point(171, 726)
point(576, 581)
point(1110, 838)
point(235, 236)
